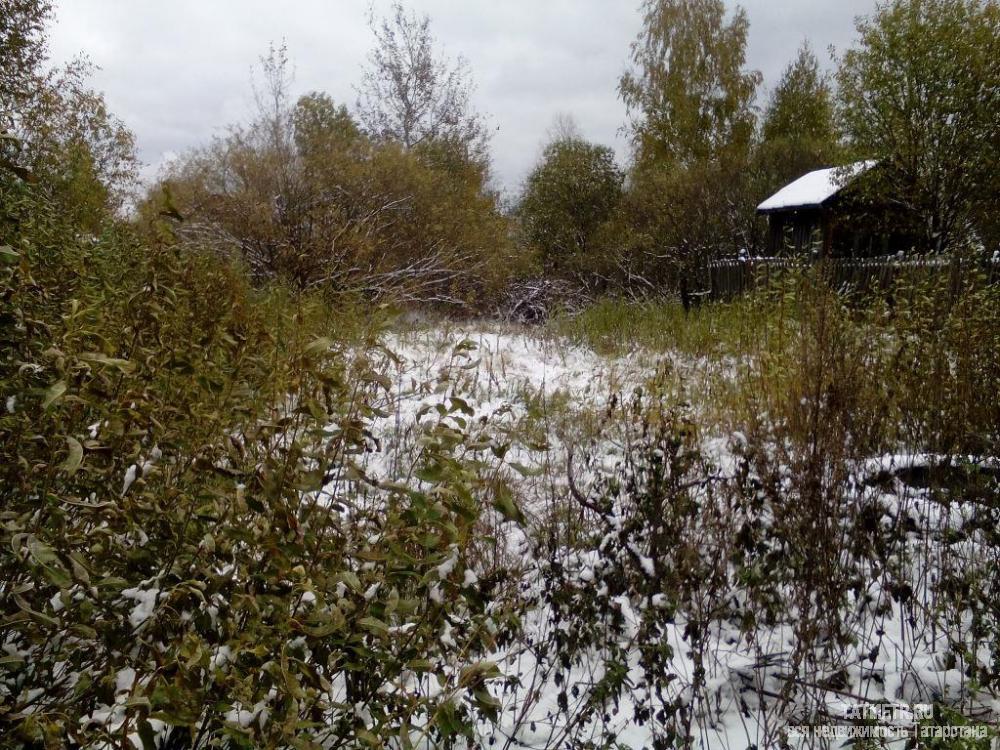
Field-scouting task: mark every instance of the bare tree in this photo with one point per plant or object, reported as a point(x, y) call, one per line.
point(412, 95)
point(272, 95)
point(301, 194)
point(564, 127)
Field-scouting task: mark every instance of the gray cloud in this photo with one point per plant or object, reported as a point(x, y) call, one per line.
point(178, 72)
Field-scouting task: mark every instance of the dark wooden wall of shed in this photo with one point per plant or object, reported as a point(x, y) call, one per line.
point(837, 231)
point(798, 232)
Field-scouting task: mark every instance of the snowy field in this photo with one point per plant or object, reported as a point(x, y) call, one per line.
point(755, 681)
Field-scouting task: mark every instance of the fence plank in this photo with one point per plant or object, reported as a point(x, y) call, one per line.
point(731, 277)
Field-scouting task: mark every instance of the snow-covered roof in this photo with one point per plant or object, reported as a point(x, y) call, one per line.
point(815, 188)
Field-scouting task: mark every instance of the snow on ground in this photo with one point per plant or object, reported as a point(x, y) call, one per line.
point(505, 367)
point(507, 377)
point(516, 374)
point(510, 376)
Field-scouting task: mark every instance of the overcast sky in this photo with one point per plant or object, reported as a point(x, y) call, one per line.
point(177, 72)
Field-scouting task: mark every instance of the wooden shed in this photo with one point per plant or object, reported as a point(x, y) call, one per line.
point(811, 214)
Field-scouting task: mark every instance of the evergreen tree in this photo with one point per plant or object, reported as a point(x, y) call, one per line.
point(801, 106)
point(798, 132)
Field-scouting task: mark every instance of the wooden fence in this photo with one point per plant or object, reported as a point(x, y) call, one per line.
point(730, 278)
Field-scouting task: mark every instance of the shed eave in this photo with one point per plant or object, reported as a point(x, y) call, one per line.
point(792, 209)
point(813, 189)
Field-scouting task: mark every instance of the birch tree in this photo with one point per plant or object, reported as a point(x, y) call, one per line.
point(687, 90)
point(412, 94)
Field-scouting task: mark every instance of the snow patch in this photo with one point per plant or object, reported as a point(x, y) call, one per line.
point(146, 604)
point(815, 188)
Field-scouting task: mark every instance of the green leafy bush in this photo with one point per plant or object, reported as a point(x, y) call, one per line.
point(192, 555)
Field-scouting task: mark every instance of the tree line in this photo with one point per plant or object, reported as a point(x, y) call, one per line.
point(918, 93)
point(392, 198)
